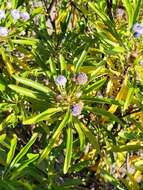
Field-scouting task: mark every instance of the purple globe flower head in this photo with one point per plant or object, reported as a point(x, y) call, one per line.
point(25, 16)
point(2, 14)
point(3, 31)
point(77, 109)
point(81, 78)
point(15, 14)
point(138, 30)
point(61, 80)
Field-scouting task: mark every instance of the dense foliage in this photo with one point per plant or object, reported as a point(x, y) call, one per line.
point(71, 91)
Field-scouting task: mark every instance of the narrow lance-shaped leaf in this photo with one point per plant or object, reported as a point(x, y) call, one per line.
point(2, 137)
point(129, 98)
point(23, 91)
point(80, 61)
point(32, 84)
point(69, 145)
point(113, 180)
point(95, 86)
point(138, 6)
point(99, 13)
point(55, 136)
point(42, 116)
point(128, 6)
point(52, 66)
point(122, 148)
point(7, 61)
point(24, 150)
point(139, 165)
point(37, 11)
point(24, 165)
point(62, 63)
point(26, 41)
point(81, 135)
point(102, 112)
point(101, 100)
point(14, 3)
point(122, 94)
point(11, 152)
point(92, 139)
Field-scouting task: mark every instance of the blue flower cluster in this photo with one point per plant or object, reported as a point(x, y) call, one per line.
point(81, 79)
point(15, 14)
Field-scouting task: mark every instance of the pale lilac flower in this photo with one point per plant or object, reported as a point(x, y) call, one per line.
point(81, 78)
point(25, 16)
point(3, 31)
point(61, 80)
point(15, 14)
point(77, 109)
point(138, 30)
point(2, 14)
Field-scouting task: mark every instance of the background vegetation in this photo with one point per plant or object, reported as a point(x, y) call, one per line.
point(71, 95)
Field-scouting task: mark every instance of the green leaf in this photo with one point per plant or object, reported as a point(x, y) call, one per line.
point(113, 180)
point(37, 11)
point(81, 135)
point(92, 139)
point(14, 3)
point(97, 11)
point(128, 98)
point(55, 136)
point(28, 41)
point(101, 100)
point(24, 150)
point(2, 137)
point(33, 84)
point(52, 66)
point(69, 145)
point(138, 5)
point(62, 63)
point(24, 165)
point(126, 148)
point(80, 61)
point(139, 165)
point(107, 22)
point(95, 86)
point(129, 7)
point(11, 152)
point(102, 112)
point(42, 116)
point(23, 91)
